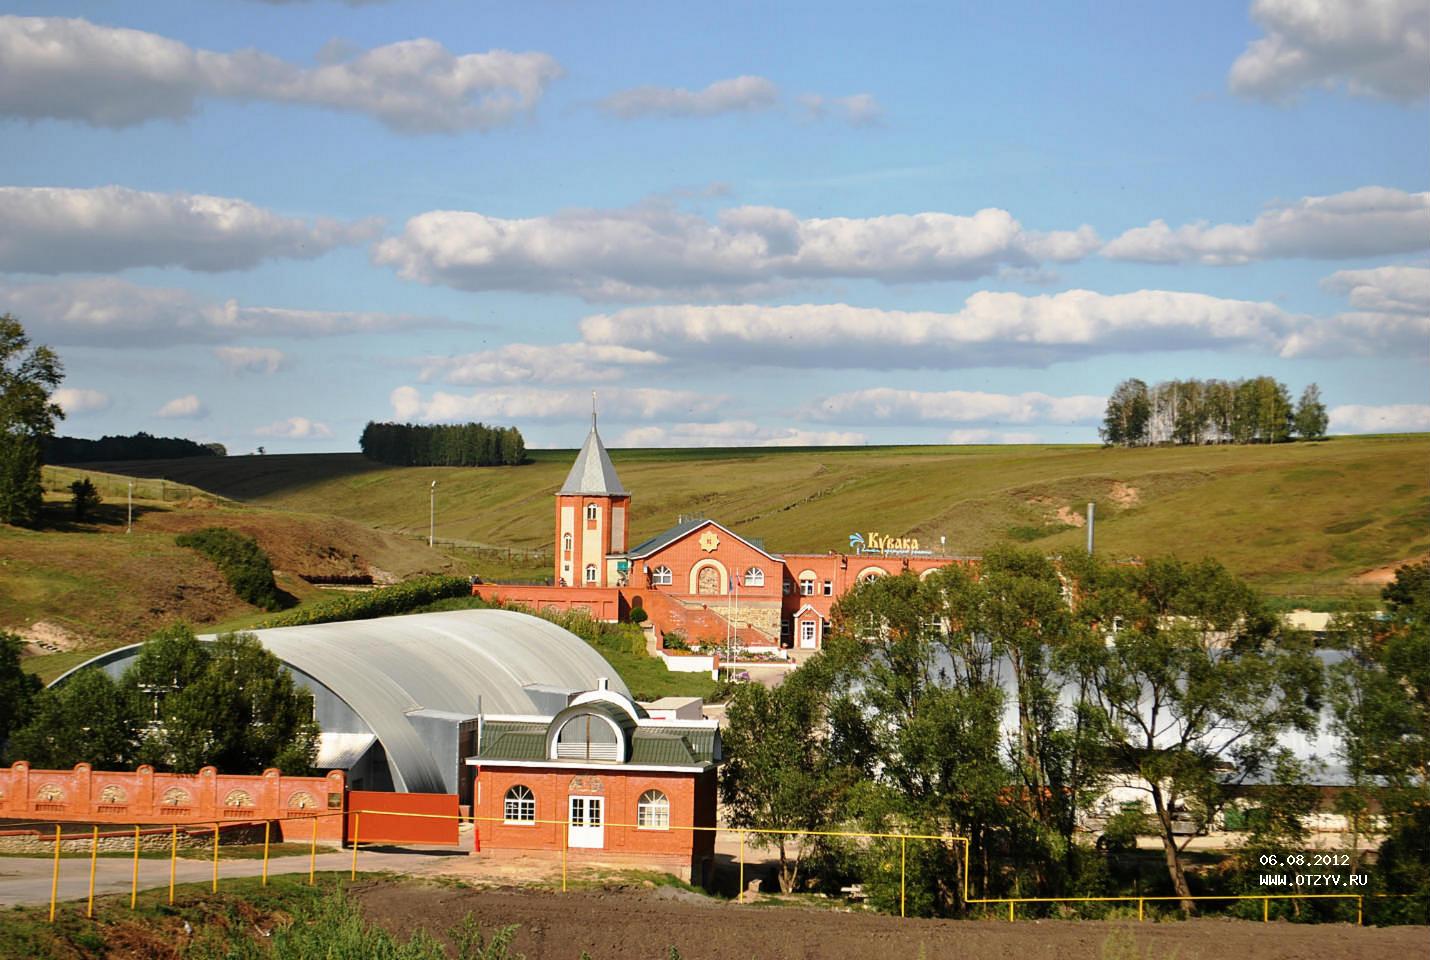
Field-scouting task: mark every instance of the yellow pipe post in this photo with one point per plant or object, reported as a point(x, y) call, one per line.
point(565, 842)
point(214, 888)
point(357, 823)
point(134, 880)
point(742, 868)
point(173, 858)
point(903, 845)
point(267, 826)
point(1010, 911)
point(55, 881)
point(1265, 909)
point(1360, 911)
point(93, 861)
point(1139, 909)
point(313, 854)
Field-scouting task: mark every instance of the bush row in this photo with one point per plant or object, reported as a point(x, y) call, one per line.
point(383, 602)
point(241, 561)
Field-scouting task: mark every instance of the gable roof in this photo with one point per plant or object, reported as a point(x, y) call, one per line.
point(684, 527)
point(593, 473)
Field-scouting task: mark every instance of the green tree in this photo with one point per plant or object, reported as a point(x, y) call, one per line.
point(27, 415)
point(777, 775)
point(87, 719)
point(18, 689)
point(1128, 415)
point(1194, 684)
point(84, 498)
point(1310, 417)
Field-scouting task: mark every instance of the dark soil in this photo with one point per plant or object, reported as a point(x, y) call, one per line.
point(646, 923)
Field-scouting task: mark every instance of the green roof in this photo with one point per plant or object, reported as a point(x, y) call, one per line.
point(657, 746)
point(507, 740)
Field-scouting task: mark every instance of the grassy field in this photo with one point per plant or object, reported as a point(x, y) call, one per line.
point(1299, 520)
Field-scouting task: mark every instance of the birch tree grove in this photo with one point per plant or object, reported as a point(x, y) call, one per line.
point(1183, 412)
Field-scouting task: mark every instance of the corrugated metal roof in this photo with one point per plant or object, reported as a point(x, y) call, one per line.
point(656, 746)
point(508, 740)
point(593, 471)
point(667, 537)
point(342, 751)
point(665, 749)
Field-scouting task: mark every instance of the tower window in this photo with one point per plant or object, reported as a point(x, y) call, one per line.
point(590, 573)
point(566, 541)
point(591, 511)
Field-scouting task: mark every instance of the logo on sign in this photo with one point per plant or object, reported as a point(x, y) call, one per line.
point(880, 544)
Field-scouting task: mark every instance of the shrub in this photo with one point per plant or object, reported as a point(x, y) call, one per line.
point(84, 498)
point(638, 615)
point(241, 561)
point(675, 640)
point(383, 602)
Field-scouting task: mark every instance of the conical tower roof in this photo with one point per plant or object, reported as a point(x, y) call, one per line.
point(593, 473)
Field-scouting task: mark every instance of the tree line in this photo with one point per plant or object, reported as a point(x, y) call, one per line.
point(140, 446)
point(180, 706)
point(1254, 410)
point(1002, 704)
point(443, 445)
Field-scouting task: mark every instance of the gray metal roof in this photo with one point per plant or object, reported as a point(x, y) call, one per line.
point(388, 668)
point(666, 537)
point(593, 472)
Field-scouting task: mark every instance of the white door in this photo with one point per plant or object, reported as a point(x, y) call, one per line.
point(588, 822)
point(807, 630)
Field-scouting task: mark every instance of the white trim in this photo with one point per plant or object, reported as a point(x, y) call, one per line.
point(808, 606)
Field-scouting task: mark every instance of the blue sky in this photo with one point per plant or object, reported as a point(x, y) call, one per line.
point(265, 222)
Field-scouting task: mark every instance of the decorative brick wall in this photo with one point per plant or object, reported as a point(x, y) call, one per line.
point(143, 796)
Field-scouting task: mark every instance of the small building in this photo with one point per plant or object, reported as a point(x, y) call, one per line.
point(633, 788)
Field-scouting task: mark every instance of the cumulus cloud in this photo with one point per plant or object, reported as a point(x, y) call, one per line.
point(72, 69)
point(109, 311)
point(1390, 316)
point(104, 229)
point(73, 400)
point(734, 433)
point(1378, 49)
point(887, 404)
point(295, 428)
point(1369, 221)
point(859, 110)
point(518, 403)
point(538, 363)
point(735, 95)
point(187, 407)
point(240, 360)
point(655, 250)
point(1390, 418)
point(990, 329)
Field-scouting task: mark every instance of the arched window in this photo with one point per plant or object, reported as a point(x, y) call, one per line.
point(806, 586)
point(653, 811)
point(588, 737)
point(590, 573)
point(591, 511)
point(520, 805)
point(566, 541)
point(662, 577)
point(754, 577)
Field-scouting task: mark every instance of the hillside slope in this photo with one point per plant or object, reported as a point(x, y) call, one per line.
point(1293, 518)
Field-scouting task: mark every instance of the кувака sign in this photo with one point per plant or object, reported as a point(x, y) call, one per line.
point(883, 545)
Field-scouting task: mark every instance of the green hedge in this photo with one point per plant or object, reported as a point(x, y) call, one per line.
point(241, 561)
point(383, 602)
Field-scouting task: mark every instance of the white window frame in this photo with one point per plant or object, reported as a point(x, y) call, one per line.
point(754, 577)
point(592, 511)
point(808, 630)
point(519, 808)
point(593, 573)
point(829, 588)
point(662, 576)
point(806, 587)
point(653, 811)
point(566, 541)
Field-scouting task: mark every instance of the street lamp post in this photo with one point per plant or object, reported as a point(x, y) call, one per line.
point(432, 518)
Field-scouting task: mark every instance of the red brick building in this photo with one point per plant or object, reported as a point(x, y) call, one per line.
point(699, 577)
point(631, 787)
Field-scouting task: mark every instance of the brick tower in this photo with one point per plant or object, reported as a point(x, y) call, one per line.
point(591, 518)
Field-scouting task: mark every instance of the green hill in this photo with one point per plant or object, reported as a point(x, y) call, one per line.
point(1321, 520)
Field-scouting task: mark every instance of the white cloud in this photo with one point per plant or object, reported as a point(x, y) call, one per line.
point(1379, 48)
point(295, 428)
point(734, 433)
point(983, 436)
point(859, 110)
point(187, 407)
point(617, 403)
point(1369, 221)
point(737, 94)
point(887, 404)
point(540, 363)
point(108, 311)
point(103, 229)
point(655, 250)
point(1392, 316)
point(113, 77)
point(240, 360)
point(990, 329)
point(75, 401)
point(1391, 418)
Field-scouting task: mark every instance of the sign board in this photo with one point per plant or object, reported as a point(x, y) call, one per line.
point(883, 545)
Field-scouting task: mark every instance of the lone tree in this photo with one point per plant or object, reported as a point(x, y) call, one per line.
point(27, 378)
point(84, 498)
point(1310, 417)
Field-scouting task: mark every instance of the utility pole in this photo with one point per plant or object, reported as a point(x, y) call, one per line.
point(432, 518)
point(1091, 519)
